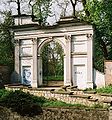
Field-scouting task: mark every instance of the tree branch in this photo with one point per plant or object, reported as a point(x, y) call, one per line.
point(86, 11)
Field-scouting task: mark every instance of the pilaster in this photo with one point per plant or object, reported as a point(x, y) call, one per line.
point(17, 60)
point(67, 61)
point(40, 80)
point(34, 81)
point(89, 61)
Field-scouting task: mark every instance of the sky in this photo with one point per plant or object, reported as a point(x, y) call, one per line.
point(56, 10)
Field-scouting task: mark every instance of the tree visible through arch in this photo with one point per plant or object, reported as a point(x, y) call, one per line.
point(53, 61)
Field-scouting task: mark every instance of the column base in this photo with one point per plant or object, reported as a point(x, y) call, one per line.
point(67, 83)
point(90, 84)
point(34, 84)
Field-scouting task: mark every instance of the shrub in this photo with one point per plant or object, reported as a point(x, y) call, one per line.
point(21, 102)
point(39, 100)
point(3, 92)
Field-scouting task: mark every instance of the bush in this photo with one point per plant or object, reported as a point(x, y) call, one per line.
point(26, 104)
point(39, 100)
point(3, 92)
point(21, 102)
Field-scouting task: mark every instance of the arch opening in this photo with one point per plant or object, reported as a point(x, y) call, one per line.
point(52, 55)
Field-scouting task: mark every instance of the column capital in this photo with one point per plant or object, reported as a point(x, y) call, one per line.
point(51, 38)
point(68, 38)
point(89, 35)
point(34, 40)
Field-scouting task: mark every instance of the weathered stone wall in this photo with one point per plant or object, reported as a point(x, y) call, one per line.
point(99, 79)
point(58, 114)
point(108, 72)
point(75, 97)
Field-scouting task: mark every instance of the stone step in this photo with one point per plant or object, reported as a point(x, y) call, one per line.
point(107, 101)
point(75, 89)
point(105, 94)
point(93, 100)
point(62, 92)
point(65, 87)
point(80, 96)
point(89, 92)
point(72, 87)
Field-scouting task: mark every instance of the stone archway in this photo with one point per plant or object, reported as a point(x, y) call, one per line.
point(41, 45)
point(74, 36)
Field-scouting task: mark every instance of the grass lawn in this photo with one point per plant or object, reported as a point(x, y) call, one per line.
point(107, 89)
point(55, 78)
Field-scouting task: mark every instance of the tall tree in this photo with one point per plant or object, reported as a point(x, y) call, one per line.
point(42, 9)
point(52, 57)
point(6, 46)
point(98, 12)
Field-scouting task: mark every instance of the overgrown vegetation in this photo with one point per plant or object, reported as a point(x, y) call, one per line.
point(6, 45)
point(56, 78)
point(20, 102)
point(53, 61)
point(27, 104)
point(107, 89)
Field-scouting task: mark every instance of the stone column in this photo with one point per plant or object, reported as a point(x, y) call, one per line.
point(67, 61)
point(89, 61)
point(34, 81)
point(17, 62)
point(40, 82)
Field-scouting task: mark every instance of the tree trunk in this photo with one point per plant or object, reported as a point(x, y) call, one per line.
point(18, 9)
point(73, 5)
point(104, 48)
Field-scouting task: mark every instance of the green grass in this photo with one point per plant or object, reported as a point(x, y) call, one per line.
point(10, 99)
point(57, 103)
point(27, 104)
point(107, 89)
point(55, 78)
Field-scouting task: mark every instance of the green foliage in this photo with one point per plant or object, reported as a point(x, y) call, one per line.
point(107, 89)
point(53, 62)
point(57, 78)
point(26, 104)
point(61, 104)
point(3, 92)
point(39, 100)
point(101, 19)
point(6, 46)
point(96, 105)
point(20, 102)
point(42, 9)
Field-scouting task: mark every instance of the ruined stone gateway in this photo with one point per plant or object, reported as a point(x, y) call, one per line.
point(74, 36)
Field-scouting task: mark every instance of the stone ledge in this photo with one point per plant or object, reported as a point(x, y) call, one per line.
point(76, 108)
point(107, 101)
point(105, 94)
point(81, 96)
point(90, 92)
point(62, 92)
point(75, 89)
point(93, 100)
